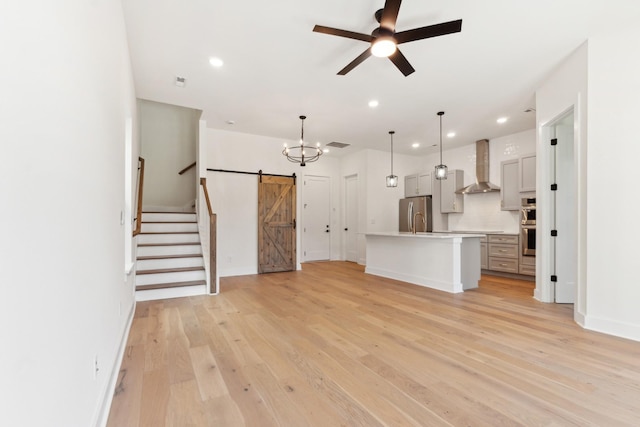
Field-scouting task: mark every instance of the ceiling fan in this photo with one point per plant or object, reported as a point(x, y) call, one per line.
point(384, 39)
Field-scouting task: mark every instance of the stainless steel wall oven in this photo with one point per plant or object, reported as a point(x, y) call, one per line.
point(528, 227)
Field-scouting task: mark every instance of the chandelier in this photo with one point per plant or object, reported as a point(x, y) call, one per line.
point(302, 153)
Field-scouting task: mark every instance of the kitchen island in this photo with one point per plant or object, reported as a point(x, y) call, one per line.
point(445, 261)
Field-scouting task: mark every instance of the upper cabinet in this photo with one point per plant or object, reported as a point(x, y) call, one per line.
point(418, 184)
point(527, 181)
point(450, 202)
point(509, 185)
point(516, 176)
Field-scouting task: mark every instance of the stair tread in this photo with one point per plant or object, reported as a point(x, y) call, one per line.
point(169, 212)
point(169, 244)
point(144, 258)
point(170, 285)
point(169, 222)
point(169, 232)
point(170, 270)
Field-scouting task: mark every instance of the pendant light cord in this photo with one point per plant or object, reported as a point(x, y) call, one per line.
point(440, 114)
point(391, 133)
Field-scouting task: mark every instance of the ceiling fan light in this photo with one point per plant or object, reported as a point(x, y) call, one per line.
point(383, 47)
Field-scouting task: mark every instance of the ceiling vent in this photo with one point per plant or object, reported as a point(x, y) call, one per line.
point(337, 144)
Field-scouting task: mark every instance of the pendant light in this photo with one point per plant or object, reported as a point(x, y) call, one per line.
point(441, 170)
point(392, 180)
point(302, 153)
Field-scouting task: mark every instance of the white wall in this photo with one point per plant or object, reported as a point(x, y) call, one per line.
point(482, 211)
point(612, 291)
point(168, 136)
point(234, 197)
point(600, 82)
point(68, 93)
point(378, 204)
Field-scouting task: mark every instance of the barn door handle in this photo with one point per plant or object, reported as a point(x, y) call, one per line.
point(294, 223)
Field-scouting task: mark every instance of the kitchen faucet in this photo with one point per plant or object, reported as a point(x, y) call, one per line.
point(413, 229)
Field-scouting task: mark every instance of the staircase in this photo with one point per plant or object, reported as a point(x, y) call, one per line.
point(169, 257)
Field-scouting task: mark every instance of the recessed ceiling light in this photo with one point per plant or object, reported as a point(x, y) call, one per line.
point(373, 103)
point(415, 145)
point(502, 120)
point(451, 134)
point(216, 62)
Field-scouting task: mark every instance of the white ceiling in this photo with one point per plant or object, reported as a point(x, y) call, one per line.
point(276, 68)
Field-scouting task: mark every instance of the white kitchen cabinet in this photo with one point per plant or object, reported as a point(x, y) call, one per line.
point(450, 202)
point(527, 181)
point(418, 184)
point(509, 185)
point(411, 185)
point(503, 251)
point(424, 184)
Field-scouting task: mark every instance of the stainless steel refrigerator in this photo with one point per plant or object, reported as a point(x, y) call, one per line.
point(418, 208)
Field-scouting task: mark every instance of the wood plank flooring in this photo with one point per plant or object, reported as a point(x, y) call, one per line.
point(332, 346)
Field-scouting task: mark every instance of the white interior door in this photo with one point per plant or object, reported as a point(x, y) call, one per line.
point(566, 250)
point(351, 218)
point(316, 230)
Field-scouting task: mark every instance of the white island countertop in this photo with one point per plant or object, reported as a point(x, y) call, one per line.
point(448, 262)
point(429, 235)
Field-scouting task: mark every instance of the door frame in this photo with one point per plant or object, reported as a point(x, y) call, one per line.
point(346, 205)
point(545, 291)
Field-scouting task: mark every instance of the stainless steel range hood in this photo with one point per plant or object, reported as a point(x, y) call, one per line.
point(482, 184)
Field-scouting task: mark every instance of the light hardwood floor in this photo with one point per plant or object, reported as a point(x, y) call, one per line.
point(332, 346)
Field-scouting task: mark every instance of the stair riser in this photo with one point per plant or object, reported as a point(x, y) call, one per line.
point(175, 217)
point(169, 227)
point(152, 264)
point(156, 294)
point(169, 250)
point(181, 276)
point(168, 238)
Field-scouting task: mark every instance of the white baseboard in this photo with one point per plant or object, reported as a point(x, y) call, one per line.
point(107, 398)
point(612, 327)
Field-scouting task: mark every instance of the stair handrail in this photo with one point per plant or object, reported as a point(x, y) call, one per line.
point(140, 184)
point(187, 168)
point(213, 274)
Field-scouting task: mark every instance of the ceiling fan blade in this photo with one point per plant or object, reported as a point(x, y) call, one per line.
point(401, 62)
point(343, 33)
point(390, 14)
point(353, 64)
point(429, 31)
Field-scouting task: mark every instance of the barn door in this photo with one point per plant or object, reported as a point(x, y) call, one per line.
point(276, 224)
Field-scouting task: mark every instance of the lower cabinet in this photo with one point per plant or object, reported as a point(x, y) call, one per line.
point(528, 265)
point(484, 257)
point(503, 253)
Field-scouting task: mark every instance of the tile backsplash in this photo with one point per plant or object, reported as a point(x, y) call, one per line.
point(482, 212)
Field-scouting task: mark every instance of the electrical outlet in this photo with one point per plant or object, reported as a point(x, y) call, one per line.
point(96, 367)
